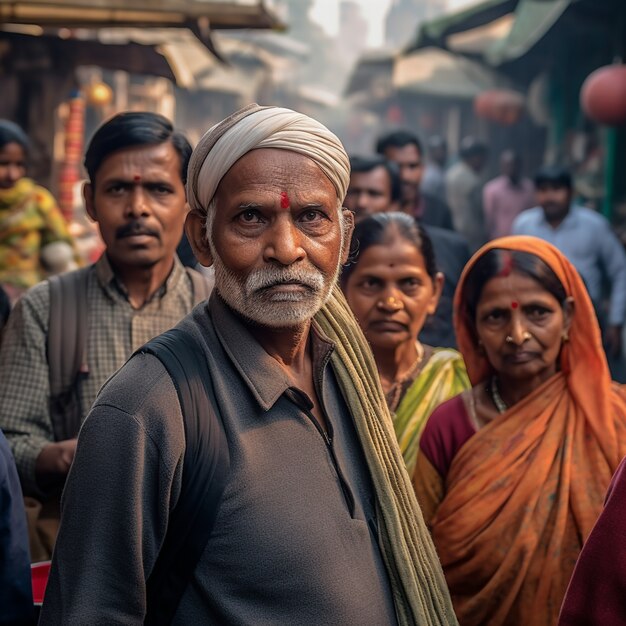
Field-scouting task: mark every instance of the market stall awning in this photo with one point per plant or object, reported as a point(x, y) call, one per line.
point(435, 32)
point(533, 19)
point(372, 73)
point(476, 41)
point(439, 73)
point(173, 53)
point(139, 13)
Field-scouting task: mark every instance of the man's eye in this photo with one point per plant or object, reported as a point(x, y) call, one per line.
point(311, 216)
point(250, 216)
point(161, 190)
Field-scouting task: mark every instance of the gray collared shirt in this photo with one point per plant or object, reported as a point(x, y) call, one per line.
point(116, 330)
point(586, 239)
point(295, 538)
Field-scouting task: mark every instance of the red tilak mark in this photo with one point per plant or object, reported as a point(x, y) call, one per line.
point(507, 266)
point(284, 200)
point(137, 178)
point(514, 304)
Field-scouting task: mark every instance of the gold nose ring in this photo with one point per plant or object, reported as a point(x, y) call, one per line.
point(525, 337)
point(392, 302)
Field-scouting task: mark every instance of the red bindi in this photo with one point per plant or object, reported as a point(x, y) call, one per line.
point(137, 178)
point(514, 304)
point(284, 200)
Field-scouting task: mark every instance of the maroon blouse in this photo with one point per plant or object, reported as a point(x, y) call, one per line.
point(447, 429)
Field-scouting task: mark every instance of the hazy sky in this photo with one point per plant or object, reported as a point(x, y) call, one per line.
point(325, 12)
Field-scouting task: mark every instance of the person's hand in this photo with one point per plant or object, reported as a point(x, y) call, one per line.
point(613, 341)
point(56, 458)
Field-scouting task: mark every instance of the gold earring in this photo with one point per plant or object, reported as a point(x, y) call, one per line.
point(565, 336)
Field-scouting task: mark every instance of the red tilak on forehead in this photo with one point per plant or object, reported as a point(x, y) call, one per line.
point(137, 178)
point(507, 266)
point(284, 200)
point(514, 304)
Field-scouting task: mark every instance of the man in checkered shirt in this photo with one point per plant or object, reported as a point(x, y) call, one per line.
point(137, 164)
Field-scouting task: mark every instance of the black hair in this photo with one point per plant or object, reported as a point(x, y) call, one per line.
point(499, 262)
point(134, 129)
point(373, 231)
point(12, 133)
point(555, 175)
point(436, 141)
point(471, 147)
point(359, 164)
point(398, 139)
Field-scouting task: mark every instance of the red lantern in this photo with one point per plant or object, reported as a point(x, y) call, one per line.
point(603, 95)
point(499, 105)
point(483, 104)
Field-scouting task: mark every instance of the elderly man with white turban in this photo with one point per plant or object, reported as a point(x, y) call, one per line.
point(315, 521)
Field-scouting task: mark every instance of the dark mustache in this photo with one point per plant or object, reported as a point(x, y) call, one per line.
point(135, 228)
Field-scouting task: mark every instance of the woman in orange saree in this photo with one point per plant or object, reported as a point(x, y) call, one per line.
point(511, 475)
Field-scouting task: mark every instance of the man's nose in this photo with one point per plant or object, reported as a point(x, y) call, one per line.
point(284, 242)
point(362, 201)
point(138, 204)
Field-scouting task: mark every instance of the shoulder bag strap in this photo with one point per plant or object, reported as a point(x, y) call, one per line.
point(66, 349)
point(205, 471)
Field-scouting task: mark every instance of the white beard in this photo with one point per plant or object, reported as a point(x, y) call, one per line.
point(252, 299)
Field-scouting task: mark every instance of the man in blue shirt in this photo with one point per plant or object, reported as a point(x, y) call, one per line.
point(587, 240)
point(16, 599)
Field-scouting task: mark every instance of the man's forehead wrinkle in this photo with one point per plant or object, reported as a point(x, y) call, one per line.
point(149, 163)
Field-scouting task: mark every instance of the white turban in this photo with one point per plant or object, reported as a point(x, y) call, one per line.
point(263, 127)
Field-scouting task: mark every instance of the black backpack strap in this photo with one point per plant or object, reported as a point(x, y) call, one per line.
point(202, 285)
point(66, 349)
point(205, 472)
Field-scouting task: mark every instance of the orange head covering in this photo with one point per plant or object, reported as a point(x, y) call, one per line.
point(523, 493)
point(582, 359)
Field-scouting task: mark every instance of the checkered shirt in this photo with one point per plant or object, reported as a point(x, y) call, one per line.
point(116, 330)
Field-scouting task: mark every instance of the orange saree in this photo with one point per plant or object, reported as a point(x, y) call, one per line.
point(523, 493)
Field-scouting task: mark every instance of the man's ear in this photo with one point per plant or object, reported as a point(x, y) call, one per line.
point(195, 229)
point(89, 203)
point(348, 229)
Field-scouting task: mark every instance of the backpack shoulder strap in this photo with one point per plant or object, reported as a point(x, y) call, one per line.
point(206, 466)
point(66, 343)
point(202, 285)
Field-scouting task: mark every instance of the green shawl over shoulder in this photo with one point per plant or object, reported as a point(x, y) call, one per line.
point(421, 596)
point(443, 377)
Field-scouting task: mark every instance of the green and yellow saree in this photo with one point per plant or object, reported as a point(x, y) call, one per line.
point(443, 377)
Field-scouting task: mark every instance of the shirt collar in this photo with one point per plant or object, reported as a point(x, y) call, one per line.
point(266, 380)
point(115, 288)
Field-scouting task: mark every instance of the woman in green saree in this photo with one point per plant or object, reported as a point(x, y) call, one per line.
point(392, 285)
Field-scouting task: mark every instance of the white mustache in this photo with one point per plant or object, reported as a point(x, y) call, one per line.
point(272, 276)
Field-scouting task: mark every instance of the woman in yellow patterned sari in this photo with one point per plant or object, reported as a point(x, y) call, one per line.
point(392, 285)
point(29, 216)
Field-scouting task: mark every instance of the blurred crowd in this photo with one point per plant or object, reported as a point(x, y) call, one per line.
point(484, 332)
